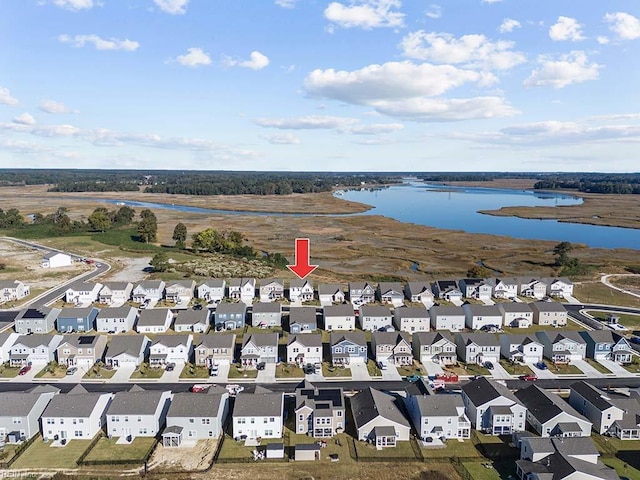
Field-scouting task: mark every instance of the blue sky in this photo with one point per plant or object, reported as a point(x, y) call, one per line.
point(375, 85)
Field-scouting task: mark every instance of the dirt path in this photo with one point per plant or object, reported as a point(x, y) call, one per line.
point(129, 269)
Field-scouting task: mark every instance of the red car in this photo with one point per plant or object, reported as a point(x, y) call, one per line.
point(24, 370)
point(528, 378)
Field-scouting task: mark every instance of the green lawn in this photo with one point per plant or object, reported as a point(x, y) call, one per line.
point(626, 319)
point(192, 371)
point(633, 367)
point(332, 448)
point(622, 468)
point(473, 369)
point(7, 451)
point(330, 371)
point(8, 372)
point(106, 449)
point(144, 371)
point(373, 369)
point(454, 448)
point(53, 370)
point(562, 369)
point(288, 370)
point(98, 372)
point(235, 372)
point(481, 471)
point(515, 368)
point(401, 450)
point(494, 447)
point(415, 369)
point(42, 454)
point(232, 450)
point(596, 292)
point(597, 365)
point(571, 325)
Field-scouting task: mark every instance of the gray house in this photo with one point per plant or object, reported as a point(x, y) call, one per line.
point(116, 320)
point(329, 293)
point(77, 319)
point(36, 320)
point(563, 346)
point(20, 412)
point(347, 347)
point(196, 416)
point(302, 320)
point(608, 345)
point(257, 348)
point(196, 321)
point(549, 313)
point(137, 413)
point(477, 347)
point(266, 314)
point(319, 412)
point(230, 316)
point(127, 350)
point(390, 292)
point(437, 347)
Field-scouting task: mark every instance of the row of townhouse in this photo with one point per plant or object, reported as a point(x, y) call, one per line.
point(504, 287)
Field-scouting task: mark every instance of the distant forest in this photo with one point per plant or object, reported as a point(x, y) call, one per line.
point(191, 182)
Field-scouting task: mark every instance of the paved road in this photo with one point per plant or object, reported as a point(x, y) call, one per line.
point(605, 280)
point(575, 310)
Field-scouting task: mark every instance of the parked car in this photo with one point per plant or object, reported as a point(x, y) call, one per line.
point(381, 365)
point(72, 370)
point(24, 370)
point(309, 369)
point(541, 366)
point(488, 365)
point(261, 366)
point(213, 371)
point(197, 306)
point(199, 387)
point(528, 378)
point(170, 367)
point(413, 378)
point(635, 340)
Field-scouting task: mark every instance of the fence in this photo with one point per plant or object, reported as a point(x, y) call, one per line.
point(126, 461)
point(18, 451)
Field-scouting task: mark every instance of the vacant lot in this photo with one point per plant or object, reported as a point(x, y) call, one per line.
point(193, 458)
point(597, 292)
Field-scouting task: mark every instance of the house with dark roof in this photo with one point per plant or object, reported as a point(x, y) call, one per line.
point(148, 290)
point(329, 293)
point(392, 347)
point(477, 347)
point(34, 350)
point(154, 320)
point(550, 415)
point(77, 415)
point(257, 348)
point(196, 416)
point(36, 320)
point(562, 346)
point(411, 319)
point(521, 348)
point(375, 317)
point(212, 290)
point(116, 319)
point(549, 313)
point(271, 289)
point(444, 317)
point(390, 292)
point(138, 413)
point(348, 347)
point(516, 314)
point(438, 416)
point(477, 288)
point(478, 316)
point(304, 348)
point(258, 415)
point(167, 349)
point(127, 351)
point(115, 293)
point(492, 407)
point(82, 293)
point(215, 349)
point(76, 319)
point(447, 290)
point(378, 419)
point(266, 314)
point(419, 292)
point(437, 347)
point(196, 321)
point(20, 412)
point(302, 320)
point(81, 350)
point(319, 411)
point(608, 345)
point(339, 317)
point(301, 290)
point(361, 293)
point(230, 316)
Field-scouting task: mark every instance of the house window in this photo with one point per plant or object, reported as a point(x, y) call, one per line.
point(265, 420)
point(206, 421)
point(253, 420)
point(192, 420)
point(339, 413)
point(271, 420)
point(17, 420)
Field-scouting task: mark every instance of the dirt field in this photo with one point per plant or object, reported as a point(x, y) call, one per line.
point(190, 459)
point(128, 269)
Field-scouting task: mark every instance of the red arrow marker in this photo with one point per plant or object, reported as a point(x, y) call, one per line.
point(302, 267)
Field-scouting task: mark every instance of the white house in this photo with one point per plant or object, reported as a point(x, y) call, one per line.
point(477, 347)
point(271, 289)
point(475, 288)
point(516, 314)
point(137, 413)
point(478, 316)
point(127, 351)
point(300, 290)
point(116, 320)
point(148, 290)
point(82, 293)
point(521, 348)
point(180, 291)
point(196, 416)
point(411, 319)
point(167, 349)
point(361, 293)
point(378, 419)
point(155, 320)
point(532, 288)
point(258, 414)
point(504, 287)
point(390, 292)
point(212, 291)
point(77, 415)
point(34, 350)
point(7, 339)
point(304, 348)
point(115, 293)
point(419, 292)
point(375, 317)
point(196, 321)
point(55, 260)
point(437, 347)
point(329, 293)
point(243, 289)
point(12, 290)
point(438, 416)
point(339, 317)
point(559, 287)
point(447, 318)
point(20, 412)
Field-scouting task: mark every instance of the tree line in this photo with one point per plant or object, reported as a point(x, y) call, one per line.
point(622, 184)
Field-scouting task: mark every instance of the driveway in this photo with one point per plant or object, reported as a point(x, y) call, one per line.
point(268, 375)
point(571, 299)
point(172, 376)
point(76, 377)
point(541, 373)
point(616, 368)
point(587, 369)
point(223, 373)
point(456, 302)
point(432, 368)
point(487, 301)
point(122, 374)
point(499, 373)
point(359, 371)
point(391, 373)
point(28, 377)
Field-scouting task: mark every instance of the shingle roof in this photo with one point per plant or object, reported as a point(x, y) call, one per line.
point(514, 307)
point(307, 339)
point(390, 338)
point(342, 310)
point(17, 404)
point(371, 403)
point(302, 315)
point(214, 283)
point(171, 341)
point(224, 307)
point(386, 287)
point(429, 338)
point(482, 339)
point(34, 341)
point(266, 307)
point(544, 405)
point(81, 341)
point(151, 284)
point(483, 310)
point(195, 404)
point(218, 340)
point(116, 285)
point(482, 390)
point(261, 339)
point(115, 312)
point(329, 288)
point(129, 344)
point(355, 337)
point(441, 310)
point(192, 317)
point(412, 312)
point(298, 283)
point(260, 404)
point(549, 306)
point(374, 311)
point(152, 317)
point(439, 405)
point(414, 288)
point(135, 403)
point(77, 405)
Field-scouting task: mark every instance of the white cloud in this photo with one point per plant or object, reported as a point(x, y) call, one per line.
point(374, 128)
point(100, 43)
point(172, 7)
point(570, 132)
point(286, 3)
point(474, 51)
point(24, 119)
point(624, 25)
point(6, 98)
point(311, 122)
point(566, 28)
point(56, 131)
point(570, 68)
point(602, 40)
point(446, 109)
point(257, 61)
point(286, 138)
point(75, 5)
point(508, 25)
point(365, 14)
point(194, 58)
point(434, 11)
point(51, 106)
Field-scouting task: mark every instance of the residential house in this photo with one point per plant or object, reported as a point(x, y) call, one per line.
point(82, 293)
point(304, 349)
point(549, 313)
point(560, 459)
point(36, 320)
point(392, 347)
point(257, 348)
point(127, 351)
point(478, 316)
point(81, 350)
point(375, 317)
point(390, 292)
point(329, 293)
point(377, 418)
point(213, 290)
point(447, 318)
point(7, 339)
point(266, 315)
point(155, 320)
point(505, 287)
point(521, 348)
point(516, 314)
point(361, 293)
point(411, 319)
point(477, 347)
point(492, 407)
point(180, 291)
point(302, 320)
point(348, 347)
point(271, 289)
point(559, 287)
point(475, 288)
point(300, 290)
point(77, 319)
point(56, 260)
point(12, 290)
point(148, 291)
point(167, 349)
point(447, 290)
point(215, 349)
point(77, 415)
point(115, 293)
point(242, 289)
point(258, 415)
point(196, 321)
point(563, 346)
point(610, 413)
point(550, 416)
point(116, 319)
point(437, 347)
point(20, 412)
point(532, 288)
point(438, 417)
point(608, 345)
point(339, 317)
point(319, 411)
point(34, 350)
point(196, 416)
point(230, 316)
point(137, 413)
point(419, 292)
